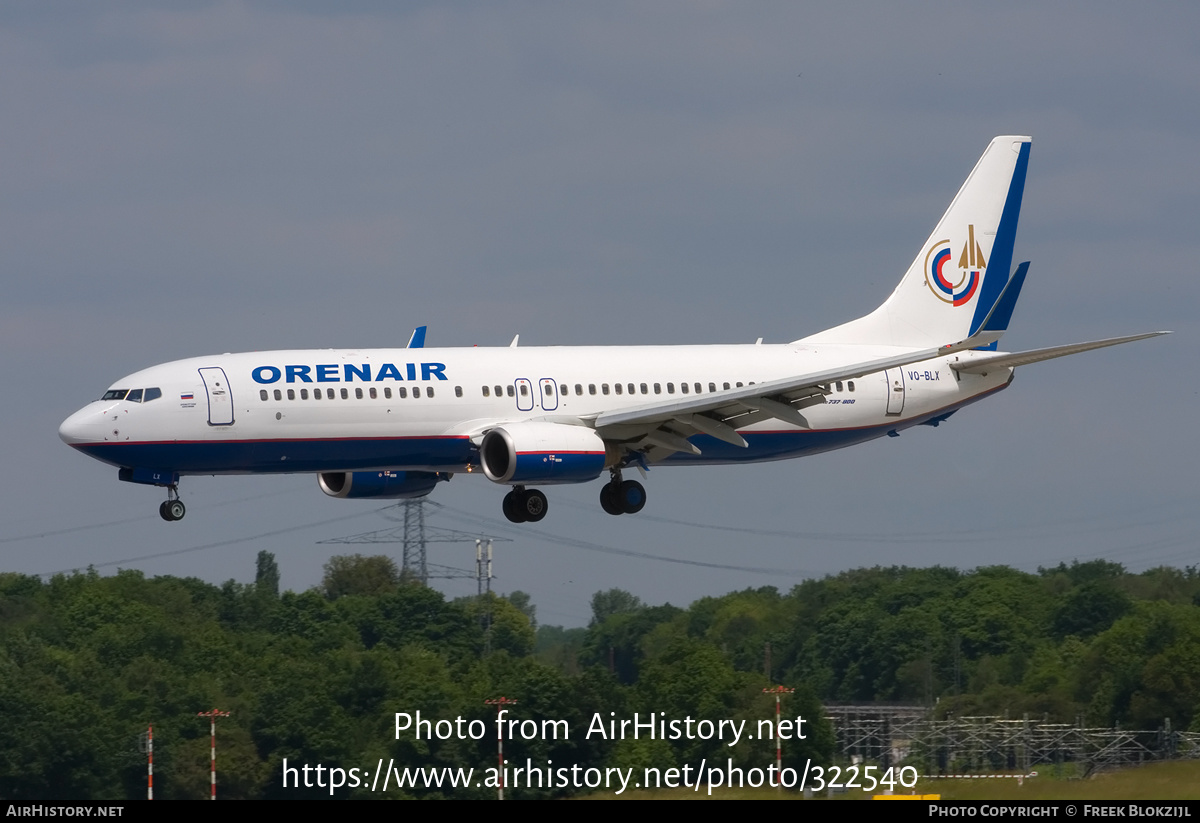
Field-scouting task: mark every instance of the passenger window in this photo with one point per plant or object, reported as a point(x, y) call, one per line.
point(850, 385)
point(458, 391)
point(579, 390)
point(374, 393)
point(591, 388)
point(152, 394)
point(631, 388)
point(416, 391)
point(699, 388)
point(262, 394)
point(278, 394)
point(358, 395)
point(604, 388)
point(839, 385)
point(500, 392)
point(304, 394)
point(291, 394)
point(643, 386)
point(566, 389)
point(725, 386)
point(134, 396)
point(658, 388)
point(712, 387)
point(683, 387)
point(739, 385)
point(387, 392)
point(428, 391)
point(617, 387)
point(316, 394)
point(524, 390)
point(510, 391)
point(345, 394)
point(487, 392)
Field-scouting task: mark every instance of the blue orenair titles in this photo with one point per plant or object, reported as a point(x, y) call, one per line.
point(348, 373)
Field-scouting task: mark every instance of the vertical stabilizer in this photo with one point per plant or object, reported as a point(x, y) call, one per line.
point(960, 272)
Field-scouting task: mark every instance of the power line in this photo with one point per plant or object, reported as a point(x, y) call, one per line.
point(231, 542)
point(586, 545)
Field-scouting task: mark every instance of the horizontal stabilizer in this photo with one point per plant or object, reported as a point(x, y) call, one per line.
point(977, 365)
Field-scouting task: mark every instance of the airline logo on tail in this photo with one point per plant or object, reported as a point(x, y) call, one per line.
point(970, 270)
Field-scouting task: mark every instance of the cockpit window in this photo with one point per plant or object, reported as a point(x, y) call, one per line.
point(151, 394)
point(115, 394)
point(134, 396)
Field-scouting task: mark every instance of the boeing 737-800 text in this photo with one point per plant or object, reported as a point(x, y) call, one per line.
point(392, 423)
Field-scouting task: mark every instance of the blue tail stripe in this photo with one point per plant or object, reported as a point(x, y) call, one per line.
point(1006, 238)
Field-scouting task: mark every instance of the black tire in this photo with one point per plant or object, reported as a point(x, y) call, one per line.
point(176, 509)
point(511, 510)
point(608, 499)
point(631, 496)
point(162, 511)
point(533, 505)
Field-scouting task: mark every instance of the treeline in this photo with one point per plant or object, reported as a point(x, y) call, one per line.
point(87, 662)
point(1085, 641)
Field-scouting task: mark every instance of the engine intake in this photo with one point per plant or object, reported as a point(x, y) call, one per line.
point(544, 453)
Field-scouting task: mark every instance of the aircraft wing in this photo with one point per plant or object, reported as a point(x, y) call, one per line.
point(978, 365)
point(665, 426)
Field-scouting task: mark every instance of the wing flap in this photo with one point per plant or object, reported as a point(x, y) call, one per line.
point(793, 392)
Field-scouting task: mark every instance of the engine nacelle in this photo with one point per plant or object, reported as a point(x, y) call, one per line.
point(384, 485)
point(544, 453)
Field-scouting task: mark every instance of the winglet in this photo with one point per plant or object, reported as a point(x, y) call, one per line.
point(417, 341)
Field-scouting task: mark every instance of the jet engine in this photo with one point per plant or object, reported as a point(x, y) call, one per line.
point(542, 453)
point(384, 485)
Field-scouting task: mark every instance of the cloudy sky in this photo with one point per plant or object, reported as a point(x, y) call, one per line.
point(222, 176)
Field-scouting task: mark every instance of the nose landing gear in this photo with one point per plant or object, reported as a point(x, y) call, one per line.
point(172, 508)
point(619, 496)
point(522, 505)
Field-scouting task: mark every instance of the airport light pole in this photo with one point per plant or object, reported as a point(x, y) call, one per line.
point(500, 703)
point(778, 691)
point(212, 716)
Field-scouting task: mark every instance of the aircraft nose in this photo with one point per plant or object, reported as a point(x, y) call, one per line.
point(81, 427)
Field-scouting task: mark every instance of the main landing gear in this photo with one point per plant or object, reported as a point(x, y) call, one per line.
point(619, 496)
point(172, 508)
point(522, 505)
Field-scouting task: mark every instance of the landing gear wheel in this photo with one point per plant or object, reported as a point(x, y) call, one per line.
point(608, 499)
point(631, 497)
point(174, 509)
point(162, 511)
point(511, 509)
point(532, 505)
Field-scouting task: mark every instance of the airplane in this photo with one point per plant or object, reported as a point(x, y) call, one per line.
point(393, 423)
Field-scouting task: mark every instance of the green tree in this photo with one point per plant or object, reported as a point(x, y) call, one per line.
point(347, 574)
point(613, 601)
point(266, 574)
